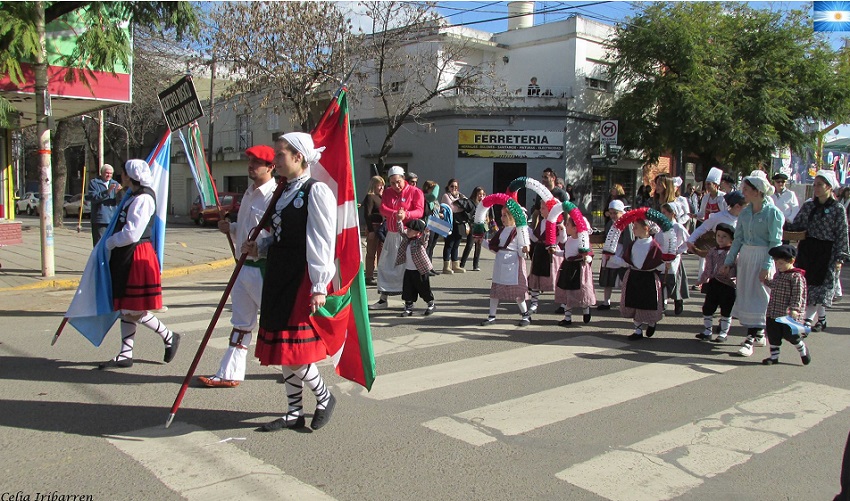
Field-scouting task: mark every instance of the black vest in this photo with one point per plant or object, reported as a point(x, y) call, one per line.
point(122, 216)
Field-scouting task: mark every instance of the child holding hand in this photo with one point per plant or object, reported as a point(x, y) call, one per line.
point(787, 297)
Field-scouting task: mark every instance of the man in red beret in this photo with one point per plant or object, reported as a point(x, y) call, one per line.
point(248, 287)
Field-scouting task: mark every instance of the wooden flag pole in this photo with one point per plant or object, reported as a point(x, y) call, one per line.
point(239, 263)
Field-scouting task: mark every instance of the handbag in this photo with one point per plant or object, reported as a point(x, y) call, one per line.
point(441, 221)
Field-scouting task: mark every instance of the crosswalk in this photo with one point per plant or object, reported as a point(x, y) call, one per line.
point(664, 466)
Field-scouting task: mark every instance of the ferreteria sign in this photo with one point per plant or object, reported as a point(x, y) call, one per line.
point(180, 104)
point(472, 143)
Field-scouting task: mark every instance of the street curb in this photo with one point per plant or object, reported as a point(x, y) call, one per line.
point(73, 283)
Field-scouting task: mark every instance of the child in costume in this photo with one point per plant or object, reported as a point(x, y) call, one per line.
point(609, 275)
point(676, 279)
point(787, 297)
point(413, 252)
point(641, 299)
point(544, 265)
point(510, 278)
point(719, 288)
point(574, 287)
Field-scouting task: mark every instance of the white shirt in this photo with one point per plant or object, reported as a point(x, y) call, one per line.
point(321, 231)
point(680, 234)
point(787, 203)
point(713, 220)
point(139, 214)
point(683, 216)
point(254, 204)
point(708, 200)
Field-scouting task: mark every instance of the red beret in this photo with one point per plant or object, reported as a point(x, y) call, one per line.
point(261, 152)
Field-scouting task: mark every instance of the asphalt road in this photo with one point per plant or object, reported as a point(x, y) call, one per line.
point(458, 411)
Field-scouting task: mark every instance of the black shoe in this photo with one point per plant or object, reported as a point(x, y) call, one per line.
point(819, 326)
point(560, 310)
point(118, 364)
point(524, 321)
point(719, 339)
point(281, 423)
point(430, 309)
point(650, 331)
point(703, 336)
point(488, 321)
point(170, 351)
point(679, 305)
point(432, 273)
point(406, 313)
point(770, 361)
point(637, 336)
point(565, 323)
point(323, 416)
point(807, 358)
point(603, 307)
point(586, 318)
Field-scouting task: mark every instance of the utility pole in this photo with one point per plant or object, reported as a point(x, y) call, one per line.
point(99, 141)
point(210, 136)
point(43, 112)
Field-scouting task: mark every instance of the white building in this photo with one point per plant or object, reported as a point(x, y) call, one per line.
point(554, 127)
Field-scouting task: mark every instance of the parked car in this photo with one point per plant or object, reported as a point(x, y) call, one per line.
point(28, 203)
point(72, 206)
point(229, 204)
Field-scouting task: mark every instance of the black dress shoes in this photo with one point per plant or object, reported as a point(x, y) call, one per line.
point(321, 417)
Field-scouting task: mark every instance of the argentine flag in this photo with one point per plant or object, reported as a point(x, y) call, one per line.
point(90, 311)
point(832, 16)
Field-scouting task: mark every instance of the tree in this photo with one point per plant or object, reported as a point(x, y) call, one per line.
point(284, 52)
point(102, 45)
point(411, 59)
point(724, 81)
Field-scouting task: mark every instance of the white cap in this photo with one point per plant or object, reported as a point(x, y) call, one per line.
point(617, 205)
point(677, 181)
point(395, 170)
point(829, 176)
point(714, 175)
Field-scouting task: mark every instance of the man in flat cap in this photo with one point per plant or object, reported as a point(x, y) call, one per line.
point(248, 287)
point(784, 199)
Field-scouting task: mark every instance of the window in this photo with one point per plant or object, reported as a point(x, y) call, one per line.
point(396, 86)
point(246, 135)
point(595, 83)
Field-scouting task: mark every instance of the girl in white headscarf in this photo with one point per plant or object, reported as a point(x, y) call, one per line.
point(134, 267)
point(759, 229)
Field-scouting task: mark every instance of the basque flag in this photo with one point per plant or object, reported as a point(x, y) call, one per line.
point(90, 311)
point(345, 312)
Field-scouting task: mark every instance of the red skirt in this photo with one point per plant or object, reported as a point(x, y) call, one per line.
point(144, 282)
point(297, 343)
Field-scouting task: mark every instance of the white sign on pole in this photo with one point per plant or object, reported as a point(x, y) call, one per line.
point(608, 131)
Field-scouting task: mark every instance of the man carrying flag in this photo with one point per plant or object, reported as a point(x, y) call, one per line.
point(134, 266)
point(248, 287)
point(300, 266)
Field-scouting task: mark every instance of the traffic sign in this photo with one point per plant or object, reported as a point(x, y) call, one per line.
point(608, 131)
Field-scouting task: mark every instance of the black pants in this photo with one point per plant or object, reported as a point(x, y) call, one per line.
point(776, 333)
point(718, 294)
point(470, 243)
point(414, 286)
point(432, 242)
point(97, 231)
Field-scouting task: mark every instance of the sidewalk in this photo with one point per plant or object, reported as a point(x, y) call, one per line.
point(188, 248)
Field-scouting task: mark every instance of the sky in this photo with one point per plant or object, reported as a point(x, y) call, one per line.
point(490, 16)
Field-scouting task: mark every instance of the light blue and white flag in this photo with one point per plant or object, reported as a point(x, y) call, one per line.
point(832, 16)
point(90, 311)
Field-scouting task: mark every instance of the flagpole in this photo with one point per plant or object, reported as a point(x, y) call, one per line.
point(59, 331)
point(239, 263)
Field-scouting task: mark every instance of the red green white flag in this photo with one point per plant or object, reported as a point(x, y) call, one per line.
point(346, 308)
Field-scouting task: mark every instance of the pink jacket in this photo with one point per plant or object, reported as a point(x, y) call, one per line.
point(411, 199)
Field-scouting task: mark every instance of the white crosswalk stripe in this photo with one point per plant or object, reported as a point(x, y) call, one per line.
point(462, 371)
point(484, 425)
point(199, 466)
point(670, 464)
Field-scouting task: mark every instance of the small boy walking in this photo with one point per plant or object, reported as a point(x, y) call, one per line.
point(413, 253)
point(787, 297)
point(719, 288)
